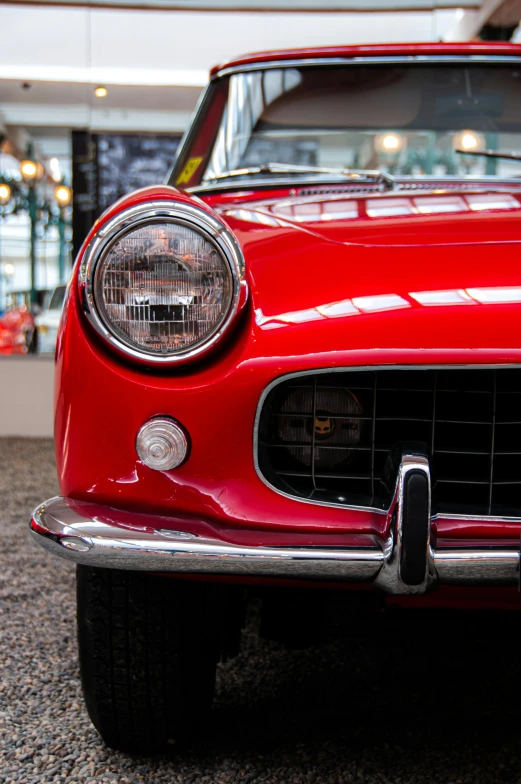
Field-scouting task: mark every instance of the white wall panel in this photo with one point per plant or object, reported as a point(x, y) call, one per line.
point(26, 396)
point(116, 46)
point(46, 36)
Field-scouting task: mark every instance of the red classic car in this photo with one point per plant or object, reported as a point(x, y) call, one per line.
point(295, 367)
point(16, 331)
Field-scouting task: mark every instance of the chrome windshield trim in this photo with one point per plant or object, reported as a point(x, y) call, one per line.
point(400, 183)
point(307, 62)
point(353, 369)
point(293, 181)
point(365, 176)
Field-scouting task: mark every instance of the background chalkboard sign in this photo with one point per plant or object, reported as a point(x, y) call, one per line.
point(108, 166)
point(85, 208)
point(127, 162)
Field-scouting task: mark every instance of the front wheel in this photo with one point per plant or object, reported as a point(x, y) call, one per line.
point(148, 648)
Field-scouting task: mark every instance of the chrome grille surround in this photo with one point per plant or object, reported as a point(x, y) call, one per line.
point(497, 454)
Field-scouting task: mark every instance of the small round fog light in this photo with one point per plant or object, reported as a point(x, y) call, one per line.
point(161, 444)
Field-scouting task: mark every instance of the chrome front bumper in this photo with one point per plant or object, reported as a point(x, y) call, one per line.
point(104, 537)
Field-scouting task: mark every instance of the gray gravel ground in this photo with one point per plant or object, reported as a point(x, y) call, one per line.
point(339, 713)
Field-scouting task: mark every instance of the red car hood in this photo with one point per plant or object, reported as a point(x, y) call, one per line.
point(423, 268)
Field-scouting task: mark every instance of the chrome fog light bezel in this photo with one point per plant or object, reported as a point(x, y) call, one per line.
point(179, 213)
point(163, 428)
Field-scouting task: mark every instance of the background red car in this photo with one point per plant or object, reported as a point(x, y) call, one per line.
point(16, 329)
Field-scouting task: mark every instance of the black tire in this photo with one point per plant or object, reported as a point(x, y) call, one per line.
point(148, 648)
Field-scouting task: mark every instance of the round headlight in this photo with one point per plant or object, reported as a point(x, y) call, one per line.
point(162, 281)
point(162, 288)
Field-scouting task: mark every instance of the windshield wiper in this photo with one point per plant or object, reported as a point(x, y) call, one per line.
point(289, 168)
point(507, 156)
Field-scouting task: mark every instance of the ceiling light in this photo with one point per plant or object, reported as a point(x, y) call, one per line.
point(100, 92)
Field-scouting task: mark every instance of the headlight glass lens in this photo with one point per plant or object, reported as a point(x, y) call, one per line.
point(163, 288)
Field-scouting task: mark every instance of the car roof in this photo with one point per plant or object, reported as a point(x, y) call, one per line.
point(369, 50)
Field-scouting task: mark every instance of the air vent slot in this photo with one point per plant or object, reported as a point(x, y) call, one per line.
point(342, 189)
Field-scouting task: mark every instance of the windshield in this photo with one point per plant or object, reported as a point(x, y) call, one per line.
point(402, 119)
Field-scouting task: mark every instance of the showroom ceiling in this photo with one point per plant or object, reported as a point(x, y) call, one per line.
point(278, 5)
point(55, 54)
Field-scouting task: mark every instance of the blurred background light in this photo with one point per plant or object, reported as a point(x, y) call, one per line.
point(468, 140)
point(390, 142)
point(5, 193)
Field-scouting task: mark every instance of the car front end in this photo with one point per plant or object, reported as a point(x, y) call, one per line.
point(289, 374)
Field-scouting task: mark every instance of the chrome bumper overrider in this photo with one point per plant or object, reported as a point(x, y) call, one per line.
point(109, 541)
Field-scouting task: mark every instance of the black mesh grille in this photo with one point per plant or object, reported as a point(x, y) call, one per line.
point(327, 436)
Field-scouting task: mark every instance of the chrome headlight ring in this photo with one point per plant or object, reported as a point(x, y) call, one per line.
point(182, 214)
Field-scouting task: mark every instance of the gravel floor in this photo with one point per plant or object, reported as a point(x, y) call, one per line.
point(338, 713)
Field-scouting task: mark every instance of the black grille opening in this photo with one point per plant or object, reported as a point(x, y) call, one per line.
point(327, 436)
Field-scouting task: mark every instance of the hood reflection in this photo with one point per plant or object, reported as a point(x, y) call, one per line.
point(359, 306)
point(330, 208)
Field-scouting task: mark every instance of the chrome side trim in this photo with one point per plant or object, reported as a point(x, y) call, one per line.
point(354, 369)
point(60, 530)
point(423, 59)
point(99, 540)
point(177, 212)
point(464, 567)
point(478, 518)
